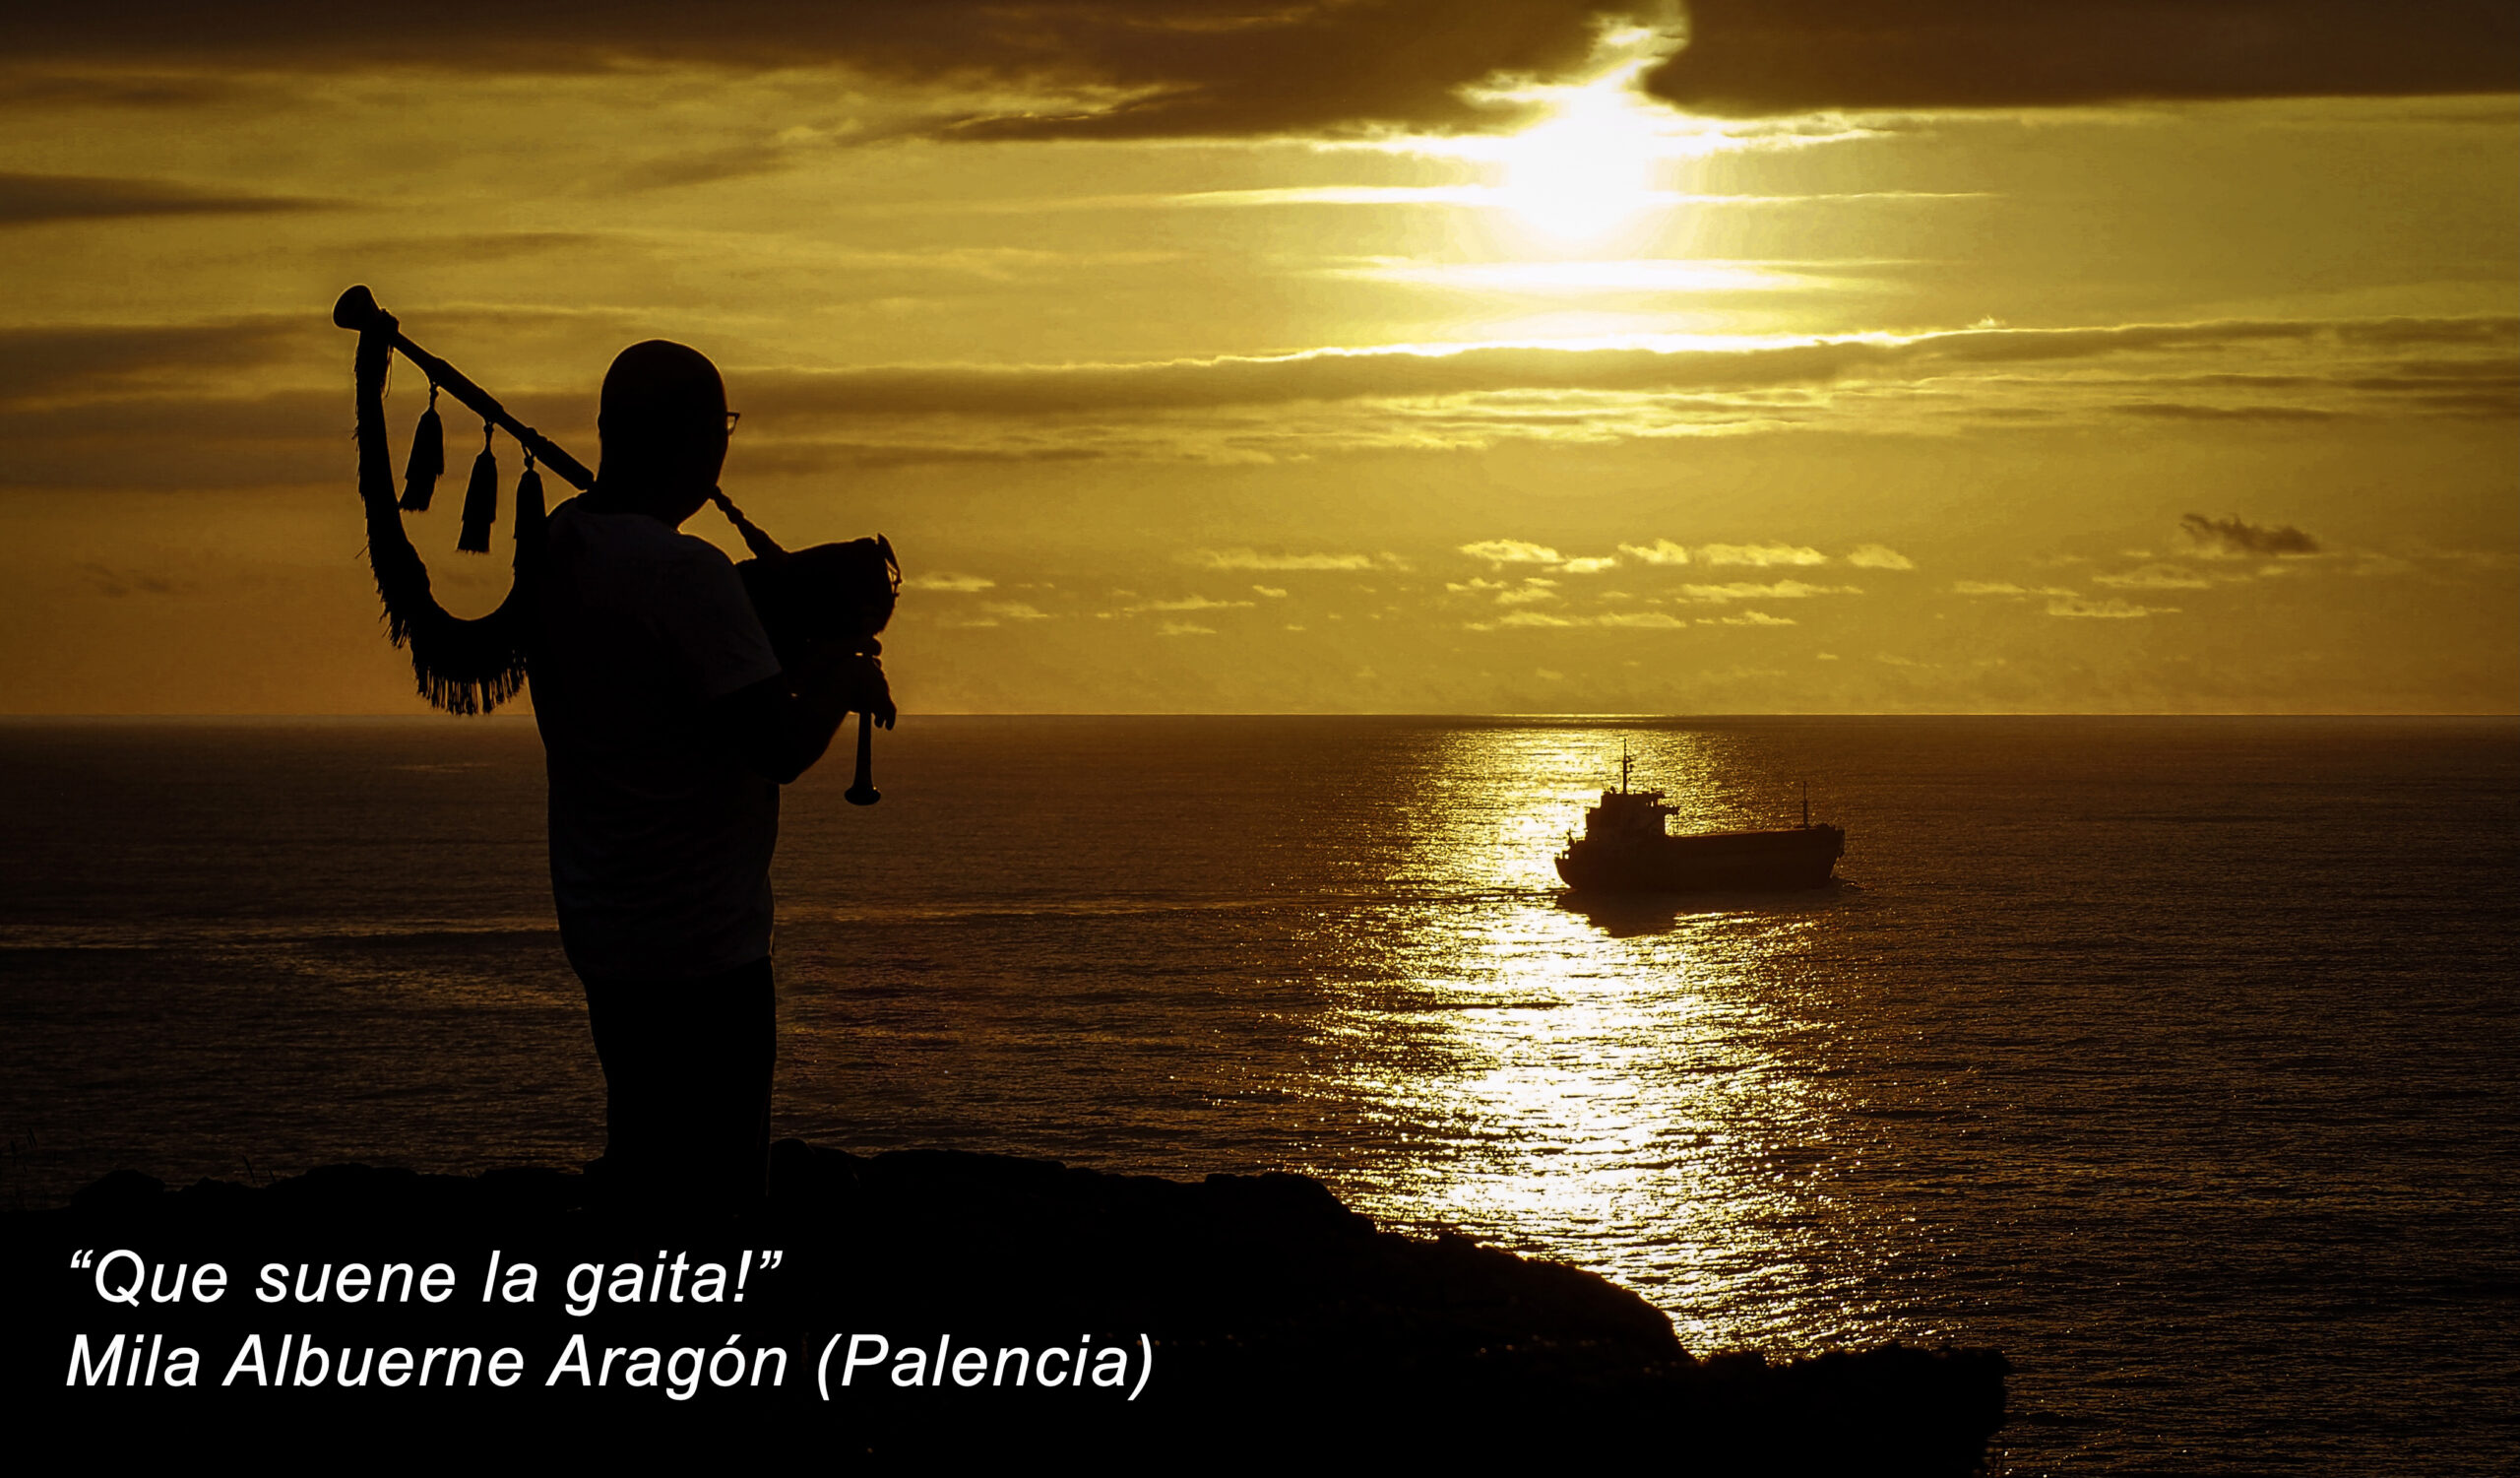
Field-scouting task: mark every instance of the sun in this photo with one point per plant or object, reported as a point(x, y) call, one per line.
point(1587, 169)
point(1584, 177)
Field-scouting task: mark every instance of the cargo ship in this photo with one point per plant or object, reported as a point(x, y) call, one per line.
point(1624, 849)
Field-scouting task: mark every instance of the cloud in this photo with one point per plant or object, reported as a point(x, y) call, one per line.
point(194, 440)
point(704, 166)
point(1633, 620)
point(2155, 577)
point(2006, 587)
point(1659, 551)
point(1255, 559)
point(1112, 69)
point(2109, 609)
point(1331, 375)
point(2183, 410)
point(474, 248)
point(1527, 595)
point(963, 584)
point(818, 455)
point(1761, 554)
point(1183, 628)
point(1271, 592)
point(2232, 536)
point(34, 199)
point(55, 363)
point(1588, 565)
point(140, 383)
point(1879, 556)
point(1511, 552)
point(123, 90)
point(1222, 68)
point(1752, 57)
point(1189, 603)
point(1782, 590)
point(1015, 611)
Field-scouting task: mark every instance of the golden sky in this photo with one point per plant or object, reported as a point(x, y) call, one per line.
point(2114, 356)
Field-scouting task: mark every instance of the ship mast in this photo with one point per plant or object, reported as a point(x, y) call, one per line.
point(1623, 763)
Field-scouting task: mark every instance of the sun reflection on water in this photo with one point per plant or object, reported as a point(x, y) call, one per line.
point(1600, 1087)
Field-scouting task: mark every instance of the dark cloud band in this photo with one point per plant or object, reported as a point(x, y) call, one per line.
point(1221, 68)
point(34, 199)
point(1156, 68)
point(1794, 56)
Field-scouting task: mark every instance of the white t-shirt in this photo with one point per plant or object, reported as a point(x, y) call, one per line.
point(661, 844)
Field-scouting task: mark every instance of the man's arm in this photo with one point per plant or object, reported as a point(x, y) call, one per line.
point(779, 726)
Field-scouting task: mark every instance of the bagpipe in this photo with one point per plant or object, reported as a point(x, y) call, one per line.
point(832, 595)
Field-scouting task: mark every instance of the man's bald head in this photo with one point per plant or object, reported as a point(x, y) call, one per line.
point(662, 422)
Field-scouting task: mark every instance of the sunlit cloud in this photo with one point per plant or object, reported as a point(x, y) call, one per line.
point(2153, 577)
point(2109, 610)
point(2006, 587)
point(1511, 552)
point(1878, 556)
point(1761, 554)
point(1430, 394)
point(1781, 590)
point(1479, 196)
point(1189, 603)
point(1659, 551)
point(944, 581)
point(1258, 559)
point(1597, 277)
point(1629, 621)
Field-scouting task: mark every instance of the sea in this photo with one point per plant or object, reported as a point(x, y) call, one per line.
point(2176, 1058)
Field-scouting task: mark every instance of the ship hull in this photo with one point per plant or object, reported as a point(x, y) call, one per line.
point(1724, 862)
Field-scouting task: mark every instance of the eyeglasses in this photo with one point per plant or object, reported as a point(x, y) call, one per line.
point(731, 418)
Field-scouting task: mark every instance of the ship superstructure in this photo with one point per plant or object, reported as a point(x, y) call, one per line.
point(1625, 849)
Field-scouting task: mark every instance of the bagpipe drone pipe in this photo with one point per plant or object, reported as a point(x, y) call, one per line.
point(832, 595)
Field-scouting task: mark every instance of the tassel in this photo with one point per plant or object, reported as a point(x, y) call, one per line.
point(528, 500)
point(428, 460)
point(481, 500)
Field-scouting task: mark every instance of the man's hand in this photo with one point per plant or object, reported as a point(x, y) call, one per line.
point(844, 682)
point(779, 726)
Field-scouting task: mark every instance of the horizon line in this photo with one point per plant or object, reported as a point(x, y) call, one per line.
point(1514, 716)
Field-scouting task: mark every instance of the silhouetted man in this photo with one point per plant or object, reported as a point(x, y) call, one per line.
point(668, 727)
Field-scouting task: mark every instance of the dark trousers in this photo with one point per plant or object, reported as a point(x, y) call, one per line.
point(686, 1079)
